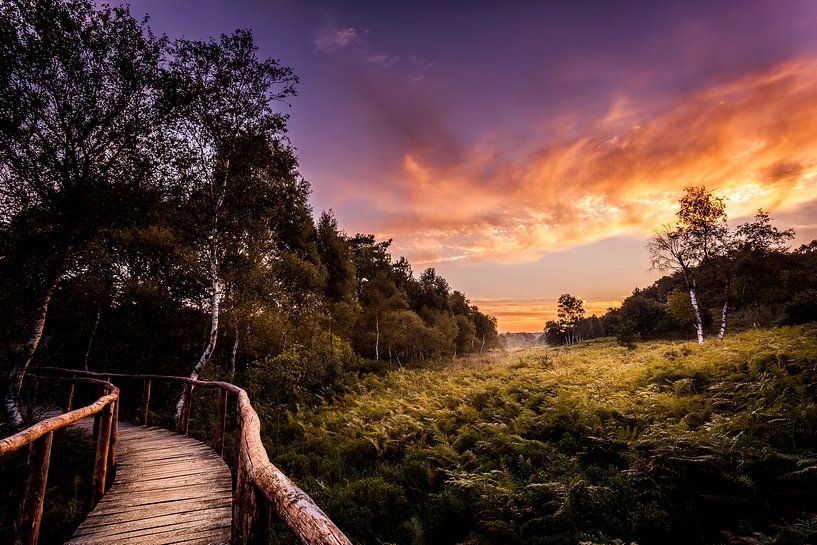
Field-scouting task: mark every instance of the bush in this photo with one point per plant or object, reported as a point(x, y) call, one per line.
point(302, 371)
point(802, 309)
point(627, 334)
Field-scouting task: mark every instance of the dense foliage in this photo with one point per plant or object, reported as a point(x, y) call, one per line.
point(721, 278)
point(152, 216)
point(669, 443)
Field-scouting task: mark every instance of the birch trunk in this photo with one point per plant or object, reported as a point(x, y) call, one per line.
point(377, 338)
point(215, 300)
point(724, 317)
point(234, 354)
point(215, 286)
point(699, 325)
point(725, 310)
point(11, 399)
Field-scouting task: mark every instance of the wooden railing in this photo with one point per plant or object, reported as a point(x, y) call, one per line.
point(261, 489)
point(39, 439)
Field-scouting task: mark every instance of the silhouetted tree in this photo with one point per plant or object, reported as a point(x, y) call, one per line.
point(77, 119)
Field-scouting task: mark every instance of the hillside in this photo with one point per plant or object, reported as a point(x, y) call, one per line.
point(669, 443)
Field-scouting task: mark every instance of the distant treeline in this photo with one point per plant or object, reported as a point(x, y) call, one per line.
point(720, 279)
point(153, 218)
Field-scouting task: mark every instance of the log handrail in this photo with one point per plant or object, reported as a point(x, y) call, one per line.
point(35, 431)
point(39, 438)
point(258, 482)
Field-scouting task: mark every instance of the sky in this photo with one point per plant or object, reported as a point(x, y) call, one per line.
point(528, 149)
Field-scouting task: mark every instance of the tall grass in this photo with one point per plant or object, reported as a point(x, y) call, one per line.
point(668, 443)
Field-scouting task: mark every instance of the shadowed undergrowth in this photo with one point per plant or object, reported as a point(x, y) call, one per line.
point(67, 492)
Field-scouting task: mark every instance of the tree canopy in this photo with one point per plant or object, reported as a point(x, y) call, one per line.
point(153, 217)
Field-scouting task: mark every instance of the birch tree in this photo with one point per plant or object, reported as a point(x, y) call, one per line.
point(220, 95)
point(702, 216)
point(699, 236)
point(76, 119)
point(673, 249)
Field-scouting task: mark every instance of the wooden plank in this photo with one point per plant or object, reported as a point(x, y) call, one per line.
point(189, 481)
point(123, 514)
point(170, 451)
point(168, 489)
point(215, 514)
point(169, 444)
point(164, 475)
point(184, 533)
point(143, 499)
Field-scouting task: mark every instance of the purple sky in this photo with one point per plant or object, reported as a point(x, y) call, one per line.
point(527, 149)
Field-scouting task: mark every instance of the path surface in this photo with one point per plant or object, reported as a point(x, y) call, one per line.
point(168, 489)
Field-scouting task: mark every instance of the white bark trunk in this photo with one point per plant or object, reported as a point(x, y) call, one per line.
point(377, 338)
point(11, 399)
point(724, 317)
point(215, 286)
point(234, 354)
point(483, 343)
point(699, 326)
point(215, 301)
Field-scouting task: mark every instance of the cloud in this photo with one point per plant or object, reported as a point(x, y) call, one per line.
point(334, 39)
point(752, 139)
point(386, 61)
point(353, 42)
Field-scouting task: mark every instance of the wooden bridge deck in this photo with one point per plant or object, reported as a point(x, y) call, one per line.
point(168, 489)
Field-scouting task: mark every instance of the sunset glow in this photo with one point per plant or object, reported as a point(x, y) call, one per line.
point(489, 140)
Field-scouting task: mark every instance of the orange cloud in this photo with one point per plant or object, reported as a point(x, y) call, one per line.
point(753, 140)
point(530, 315)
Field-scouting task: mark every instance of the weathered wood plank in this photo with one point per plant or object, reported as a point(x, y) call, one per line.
point(164, 522)
point(142, 499)
point(117, 517)
point(183, 533)
point(169, 483)
point(168, 489)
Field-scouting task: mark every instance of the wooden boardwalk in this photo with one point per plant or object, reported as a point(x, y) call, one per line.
point(168, 489)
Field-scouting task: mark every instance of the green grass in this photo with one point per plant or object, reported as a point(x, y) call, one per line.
point(667, 443)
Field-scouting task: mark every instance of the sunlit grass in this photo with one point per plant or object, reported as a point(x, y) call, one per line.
point(557, 445)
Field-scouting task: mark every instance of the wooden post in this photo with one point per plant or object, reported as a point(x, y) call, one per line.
point(221, 421)
point(262, 521)
point(101, 460)
point(68, 407)
point(188, 403)
point(145, 401)
point(69, 402)
point(31, 510)
point(239, 474)
point(114, 433)
point(95, 432)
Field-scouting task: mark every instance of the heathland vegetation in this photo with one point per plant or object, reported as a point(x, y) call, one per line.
point(671, 442)
point(153, 220)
